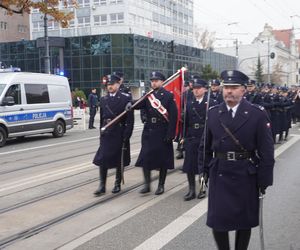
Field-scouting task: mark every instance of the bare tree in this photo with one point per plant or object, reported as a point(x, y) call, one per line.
point(204, 39)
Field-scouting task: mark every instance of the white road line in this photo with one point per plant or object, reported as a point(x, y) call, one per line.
point(48, 146)
point(164, 236)
point(286, 145)
point(90, 235)
point(49, 175)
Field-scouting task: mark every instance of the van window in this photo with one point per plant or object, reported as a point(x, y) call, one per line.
point(36, 93)
point(2, 86)
point(15, 92)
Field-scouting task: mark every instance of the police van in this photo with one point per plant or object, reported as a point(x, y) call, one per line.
point(34, 103)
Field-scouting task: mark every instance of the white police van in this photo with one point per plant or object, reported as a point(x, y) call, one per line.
point(34, 103)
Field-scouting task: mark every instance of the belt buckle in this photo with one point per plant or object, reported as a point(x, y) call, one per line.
point(231, 156)
point(108, 120)
point(196, 125)
point(153, 120)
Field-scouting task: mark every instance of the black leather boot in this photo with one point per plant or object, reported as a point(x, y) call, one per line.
point(147, 177)
point(103, 174)
point(161, 183)
point(242, 238)
point(192, 193)
point(222, 240)
point(117, 187)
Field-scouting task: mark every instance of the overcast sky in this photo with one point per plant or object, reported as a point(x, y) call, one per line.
point(245, 18)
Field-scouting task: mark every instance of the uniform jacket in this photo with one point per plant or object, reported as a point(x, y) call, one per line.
point(194, 127)
point(157, 146)
point(93, 100)
point(233, 185)
point(110, 150)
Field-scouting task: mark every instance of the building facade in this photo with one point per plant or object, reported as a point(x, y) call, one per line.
point(86, 59)
point(158, 19)
point(283, 69)
point(13, 27)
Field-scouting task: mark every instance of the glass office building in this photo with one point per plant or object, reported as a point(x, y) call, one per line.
point(86, 59)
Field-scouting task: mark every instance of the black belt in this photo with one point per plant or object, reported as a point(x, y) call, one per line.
point(197, 125)
point(233, 156)
point(156, 120)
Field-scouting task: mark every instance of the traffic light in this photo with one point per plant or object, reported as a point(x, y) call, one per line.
point(272, 55)
point(172, 46)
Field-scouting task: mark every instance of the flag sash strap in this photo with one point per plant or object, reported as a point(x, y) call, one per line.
point(156, 104)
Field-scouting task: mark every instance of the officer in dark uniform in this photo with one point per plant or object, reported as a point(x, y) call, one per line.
point(187, 97)
point(252, 94)
point(115, 137)
point(216, 93)
point(158, 133)
point(93, 105)
point(122, 87)
point(239, 161)
point(194, 127)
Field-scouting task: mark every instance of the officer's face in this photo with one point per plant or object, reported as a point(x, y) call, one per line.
point(233, 94)
point(250, 88)
point(112, 88)
point(214, 88)
point(199, 92)
point(155, 84)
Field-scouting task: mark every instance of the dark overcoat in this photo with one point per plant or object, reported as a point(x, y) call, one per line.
point(157, 146)
point(194, 127)
point(233, 202)
point(217, 96)
point(109, 153)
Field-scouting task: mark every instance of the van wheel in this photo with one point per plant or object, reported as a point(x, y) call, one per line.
point(59, 129)
point(3, 137)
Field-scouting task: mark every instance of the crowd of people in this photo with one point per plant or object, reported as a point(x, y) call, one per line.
point(229, 128)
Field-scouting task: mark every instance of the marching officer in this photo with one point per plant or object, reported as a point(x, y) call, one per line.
point(194, 124)
point(216, 92)
point(252, 95)
point(158, 133)
point(111, 149)
point(239, 161)
point(122, 87)
point(93, 105)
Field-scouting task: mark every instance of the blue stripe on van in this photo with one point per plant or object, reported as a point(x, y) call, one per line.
point(35, 116)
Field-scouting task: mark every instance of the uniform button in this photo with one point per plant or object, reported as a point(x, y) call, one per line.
point(222, 140)
point(220, 175)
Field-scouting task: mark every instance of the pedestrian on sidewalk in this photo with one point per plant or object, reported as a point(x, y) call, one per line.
point(93, 106)
point(239, 161)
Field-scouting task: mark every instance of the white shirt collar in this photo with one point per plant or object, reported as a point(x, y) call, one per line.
point(199, 100)
point(234, 109)
point(112, 94)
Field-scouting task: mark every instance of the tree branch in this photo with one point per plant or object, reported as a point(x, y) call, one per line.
point(20, 11)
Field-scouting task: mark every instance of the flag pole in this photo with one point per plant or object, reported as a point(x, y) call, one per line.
point(166, 82)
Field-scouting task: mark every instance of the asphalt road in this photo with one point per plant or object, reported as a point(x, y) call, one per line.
point(44, 179)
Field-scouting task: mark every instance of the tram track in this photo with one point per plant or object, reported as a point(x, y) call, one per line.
point(9, 240)
point(54, 193)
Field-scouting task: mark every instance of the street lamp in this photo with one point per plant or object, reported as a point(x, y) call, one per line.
point(47, 56)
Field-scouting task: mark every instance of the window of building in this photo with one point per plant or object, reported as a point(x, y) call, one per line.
point(22, 28)
point(37, 93)
point(100, 20)
point(100, 2)
point(83, 21)
point(3, 25)
point(36, 26)
point(115, 1)
point(116, 18)
point(83, 3)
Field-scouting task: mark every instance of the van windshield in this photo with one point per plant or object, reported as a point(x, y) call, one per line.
point(2, 86)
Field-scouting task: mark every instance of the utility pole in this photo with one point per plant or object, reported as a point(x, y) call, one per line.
point(269, 78)
point(47, 56)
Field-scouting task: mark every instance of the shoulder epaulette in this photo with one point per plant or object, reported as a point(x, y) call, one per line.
point(212, 107)
point(123, 93)
point(257, 106)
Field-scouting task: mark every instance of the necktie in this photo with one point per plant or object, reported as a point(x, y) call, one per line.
point(230, 111)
